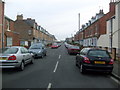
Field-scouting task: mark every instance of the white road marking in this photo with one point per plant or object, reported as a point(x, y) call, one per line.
point(59, 56)
point(56, 66)
point(115, 80)
point(49, 86)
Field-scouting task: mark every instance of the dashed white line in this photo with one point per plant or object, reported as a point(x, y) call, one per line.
point(59, 57)
point(56, 66)
point(49, 86)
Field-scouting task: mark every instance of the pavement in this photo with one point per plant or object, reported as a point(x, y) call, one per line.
point(116, 70)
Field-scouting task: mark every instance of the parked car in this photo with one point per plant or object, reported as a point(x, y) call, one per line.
point(38, 49)
point(92, 59)
point(15, 57)
point(73, 49)
point(54, 45)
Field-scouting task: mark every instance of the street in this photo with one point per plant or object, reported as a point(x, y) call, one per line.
point(56, 70)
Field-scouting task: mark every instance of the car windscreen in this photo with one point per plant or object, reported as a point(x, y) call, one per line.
point(98, 53)
point(11, 51)
point(74, 47)
point(55, 44)
point(36, 47)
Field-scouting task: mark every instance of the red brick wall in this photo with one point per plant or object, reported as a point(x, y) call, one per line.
point(12, 33)
point(98, 27)
point(1, 20)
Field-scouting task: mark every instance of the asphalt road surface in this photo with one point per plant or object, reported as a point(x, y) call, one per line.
point(56, 70)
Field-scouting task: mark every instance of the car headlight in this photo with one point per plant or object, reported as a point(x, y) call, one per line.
point(39, 51)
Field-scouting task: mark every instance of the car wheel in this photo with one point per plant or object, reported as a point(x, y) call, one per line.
point(42, 56)
point(81, 69)
point(45, 54)
point(21, 68)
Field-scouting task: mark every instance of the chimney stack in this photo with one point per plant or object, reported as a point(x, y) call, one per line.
point(112, 6)
point(20, 17)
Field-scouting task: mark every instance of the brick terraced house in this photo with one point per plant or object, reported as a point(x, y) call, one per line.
point(89, 34)
point(31, 32)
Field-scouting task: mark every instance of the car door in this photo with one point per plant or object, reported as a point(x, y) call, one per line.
point(25, 54)
point(44, 50)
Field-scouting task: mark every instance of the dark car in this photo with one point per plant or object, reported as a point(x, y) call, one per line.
point(73, 49)
point(38, 49)
point(92, 59)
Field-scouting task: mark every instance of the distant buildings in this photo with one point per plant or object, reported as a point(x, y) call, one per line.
point(111, 38)
point(102, 30)
point(31, 32)
point(90, 32)
point(21, 32)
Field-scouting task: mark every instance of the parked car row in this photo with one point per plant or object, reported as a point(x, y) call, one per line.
point(91, 59)
point(18, 56)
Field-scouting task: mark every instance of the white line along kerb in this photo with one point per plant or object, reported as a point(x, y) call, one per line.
point(56, 66)
point(59, 57)
point(49, 86)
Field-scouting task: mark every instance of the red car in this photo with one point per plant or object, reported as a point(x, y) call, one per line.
point(73, 49)
point(54, 45)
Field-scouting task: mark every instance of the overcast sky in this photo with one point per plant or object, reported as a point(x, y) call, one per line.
point(58, 17)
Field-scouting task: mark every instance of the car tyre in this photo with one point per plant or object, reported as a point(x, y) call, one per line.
point(21, 68)
point(45, 54)
point(42, 56)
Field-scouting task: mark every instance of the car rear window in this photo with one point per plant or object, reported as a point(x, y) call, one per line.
point(98, 53)
point(74, 47)
point(11, 51)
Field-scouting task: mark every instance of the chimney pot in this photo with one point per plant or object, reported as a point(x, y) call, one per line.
point(20, 17)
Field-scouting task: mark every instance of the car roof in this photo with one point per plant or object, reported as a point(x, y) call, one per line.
point(14, 47)
point(94, 49)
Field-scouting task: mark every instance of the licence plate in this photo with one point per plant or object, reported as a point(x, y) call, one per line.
point(99, 62)
point(3, 58)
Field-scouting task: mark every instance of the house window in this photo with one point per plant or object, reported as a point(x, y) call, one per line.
point(96, 29)
point(29, 32)
point(8, 25)
point(9, 41)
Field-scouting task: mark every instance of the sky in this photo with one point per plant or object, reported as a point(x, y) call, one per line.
point(58, 17)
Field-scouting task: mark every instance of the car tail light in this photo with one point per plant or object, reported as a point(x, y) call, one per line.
point(111, 61)
point(86, 60)
point(13, 57)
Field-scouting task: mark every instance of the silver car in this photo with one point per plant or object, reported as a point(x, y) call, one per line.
point(38, 49)
point(15, 57)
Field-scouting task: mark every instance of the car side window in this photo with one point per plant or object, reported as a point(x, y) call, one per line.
point(81, 52)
